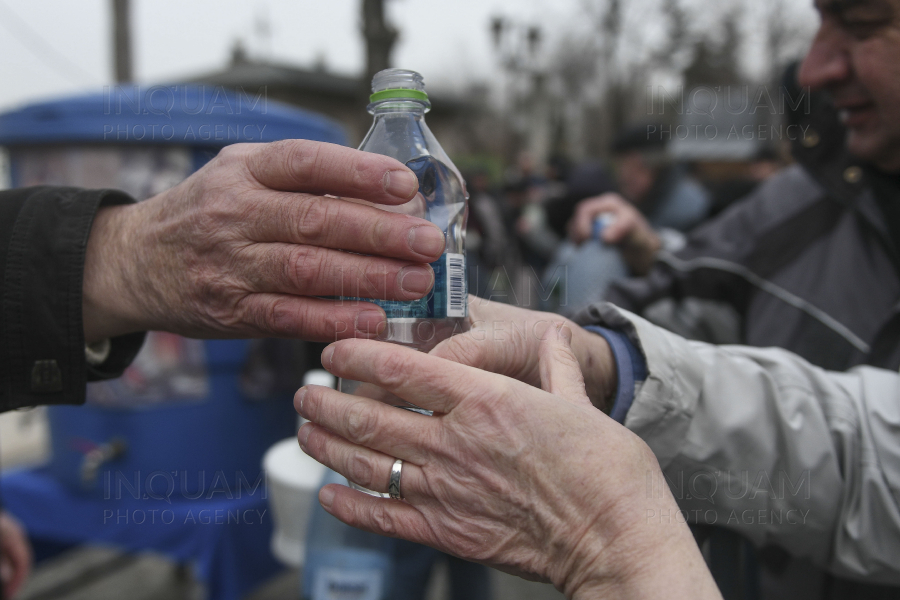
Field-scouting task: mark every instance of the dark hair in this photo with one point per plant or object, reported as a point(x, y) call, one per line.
point(647, 137)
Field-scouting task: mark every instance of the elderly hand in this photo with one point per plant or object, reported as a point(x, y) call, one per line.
point(532, 481)
point(505, 339)
point(629, 230)
point(247, 245)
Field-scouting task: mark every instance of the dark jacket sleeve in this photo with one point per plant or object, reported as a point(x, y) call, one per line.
point(44, 233)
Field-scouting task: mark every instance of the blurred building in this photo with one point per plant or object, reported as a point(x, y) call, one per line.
point(341, 97)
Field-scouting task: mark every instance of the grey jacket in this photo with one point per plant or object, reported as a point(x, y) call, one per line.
point(806, 267)
point(760, 441)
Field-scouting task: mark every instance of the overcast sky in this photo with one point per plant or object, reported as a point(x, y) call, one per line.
point(57, 47)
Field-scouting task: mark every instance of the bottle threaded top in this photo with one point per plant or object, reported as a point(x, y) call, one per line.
point(392, 84)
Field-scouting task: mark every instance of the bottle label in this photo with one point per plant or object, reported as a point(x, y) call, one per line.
point(447, 298)
point(348, 584)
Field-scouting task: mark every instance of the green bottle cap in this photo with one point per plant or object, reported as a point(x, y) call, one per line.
point(398, 93)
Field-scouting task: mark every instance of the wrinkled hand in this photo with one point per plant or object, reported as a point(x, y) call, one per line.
point(506, 340)
point(244, 246)
point(629, 230)
point(533, 481)
point(15, 555)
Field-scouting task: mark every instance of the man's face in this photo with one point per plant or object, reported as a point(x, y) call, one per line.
point(855, 57)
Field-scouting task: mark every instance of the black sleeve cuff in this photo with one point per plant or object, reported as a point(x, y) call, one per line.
point(45, 232)
point(124, 349)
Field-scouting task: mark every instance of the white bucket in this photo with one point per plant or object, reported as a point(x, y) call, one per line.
point(293, 479)
point(293, 484)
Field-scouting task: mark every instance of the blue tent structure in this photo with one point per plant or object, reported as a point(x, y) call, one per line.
point(191, 115)
point(182, 444)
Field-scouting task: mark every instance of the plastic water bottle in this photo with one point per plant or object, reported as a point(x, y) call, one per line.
point(579, 275)
point(342, 562)
point(399, 104)
point(602, 221)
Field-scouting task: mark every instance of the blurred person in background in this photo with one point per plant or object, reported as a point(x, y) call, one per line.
point(529, 190)
point(664, 192)
point(656, 194)
point(767, 161)
point(490, 248)
point(531, 241)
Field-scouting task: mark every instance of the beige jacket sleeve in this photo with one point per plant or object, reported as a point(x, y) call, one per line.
point(760, 441)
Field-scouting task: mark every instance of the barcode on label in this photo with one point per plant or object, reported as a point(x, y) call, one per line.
point(456, 285)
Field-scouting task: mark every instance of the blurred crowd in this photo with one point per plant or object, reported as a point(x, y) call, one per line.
point(555, 236)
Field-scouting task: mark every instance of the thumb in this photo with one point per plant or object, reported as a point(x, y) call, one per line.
point(472, 348)
point(560, 372)
point(466, 350)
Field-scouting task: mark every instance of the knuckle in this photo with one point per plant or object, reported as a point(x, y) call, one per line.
point(502, 389)
point(361, 470)
point(368, 169)
point(305, 267)
point(380, 233)
point(300, 160)
point(362, 423)
point(265, 316)
point(392, 369)
point(311, 219)
point(383, 520)
point(462, 349)
point(238, 157)
point(375, 276)
point(234, 151)
point(279, 316)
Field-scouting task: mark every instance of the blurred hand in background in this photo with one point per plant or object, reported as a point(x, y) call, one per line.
point(627, 229)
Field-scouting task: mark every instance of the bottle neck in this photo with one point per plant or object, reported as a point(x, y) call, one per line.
point(397, 106)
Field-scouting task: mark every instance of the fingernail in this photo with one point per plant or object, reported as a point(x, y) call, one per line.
point(326, 497)
point(327, 354)
point(299, 397)
point(566, 334)
point(303, 435)
point(370, 322)
point(402, 184)
point(415, 280)
point(426, 240)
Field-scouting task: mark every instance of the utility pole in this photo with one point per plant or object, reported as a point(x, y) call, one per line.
point(380, 37)
point(122, 40)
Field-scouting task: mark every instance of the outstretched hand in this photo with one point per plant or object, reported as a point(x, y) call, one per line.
point(532, 481)
point(248, 245)
point(506, 340)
